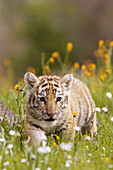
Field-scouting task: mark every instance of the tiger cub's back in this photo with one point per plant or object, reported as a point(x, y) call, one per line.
point(82, 102)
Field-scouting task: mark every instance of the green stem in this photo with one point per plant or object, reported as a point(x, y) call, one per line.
point(19, 106)
point(66, 58)
point(43, 65)
point(59, 59)
point(109, 60)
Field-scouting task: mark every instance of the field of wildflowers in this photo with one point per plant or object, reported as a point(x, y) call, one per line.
point(83, 152)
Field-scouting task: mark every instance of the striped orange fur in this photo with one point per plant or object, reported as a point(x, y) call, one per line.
point(50, 102)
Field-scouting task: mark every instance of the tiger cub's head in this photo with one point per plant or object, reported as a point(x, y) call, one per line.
point(47, 96)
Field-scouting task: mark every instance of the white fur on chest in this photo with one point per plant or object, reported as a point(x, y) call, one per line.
point(48, 126)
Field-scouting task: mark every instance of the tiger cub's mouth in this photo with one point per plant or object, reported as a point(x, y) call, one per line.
point(50, 119)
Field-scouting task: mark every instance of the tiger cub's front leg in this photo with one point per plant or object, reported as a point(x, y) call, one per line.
point(37, 135)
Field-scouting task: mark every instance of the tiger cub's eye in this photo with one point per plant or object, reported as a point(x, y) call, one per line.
point(42, 99)
point(58, 99)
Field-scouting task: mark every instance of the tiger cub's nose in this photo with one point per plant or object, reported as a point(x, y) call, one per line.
point(50, 114)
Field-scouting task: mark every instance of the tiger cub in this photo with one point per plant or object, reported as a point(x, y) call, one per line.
point(51, 100)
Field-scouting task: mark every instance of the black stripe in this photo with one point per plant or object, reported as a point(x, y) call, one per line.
point(79, 118)
point(33, 100)
point(33, 115)
point(91, 118)
point(44, 85)
point(29, 101)
point(38, 127)
point(56, 85)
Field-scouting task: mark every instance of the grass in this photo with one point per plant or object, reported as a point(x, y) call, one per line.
point(94, 154)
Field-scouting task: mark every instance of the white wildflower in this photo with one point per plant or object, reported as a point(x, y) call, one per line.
point(77, 128)
point(44, 150)
point(18, 134)
point(67, 165)
point(69, 161)
point(12, 132)
point(44, 143)
point(27, 163)
point(23, 160)
point(66, 146)
point(88, 138)
point(1, 118)
point(112, 119)
point(2, 140)
point(6, 163)
point(10, 146)
point(88, 161)
point(0, 158)
point(6, 152)
point(109, 95)
point(89, 154)
point(33, 156)
point(103, 148)
point(4, 169)
point(69, 156)
point(97, 109)
point(110, 166)
point(48, 168)
point(37, 168)
point(104, 109)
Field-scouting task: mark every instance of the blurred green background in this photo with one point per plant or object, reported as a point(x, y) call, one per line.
point(30, 27)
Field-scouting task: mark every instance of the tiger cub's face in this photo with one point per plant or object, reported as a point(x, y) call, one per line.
point(47, 96)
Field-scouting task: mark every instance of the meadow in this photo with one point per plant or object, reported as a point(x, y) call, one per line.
point(83, 152)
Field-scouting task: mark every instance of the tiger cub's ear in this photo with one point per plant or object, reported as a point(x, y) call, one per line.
point(30, 80)
point(66, 81)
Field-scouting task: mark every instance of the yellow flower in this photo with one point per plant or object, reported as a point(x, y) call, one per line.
point(106, 56)
point(57, 137)
point(19, 135)
point(92, 66)
point(86, 146)
point(99, 52)
point(74, 114)
point(85, 135)
point(43, 54)
point(103, 76)
point(111, 44)
point(106, 62)
point(76, 65)
point(107, 159)
point(55, 54)
point(52, 60)
point(83, 67)
point(54, 143)
point(16, 87)
point(107, 70)
point(48, 70)
point(6, 62)
point(87, 73)
point(69, 46)
point(82, 162)
point(30, 69)
point(100, 43)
